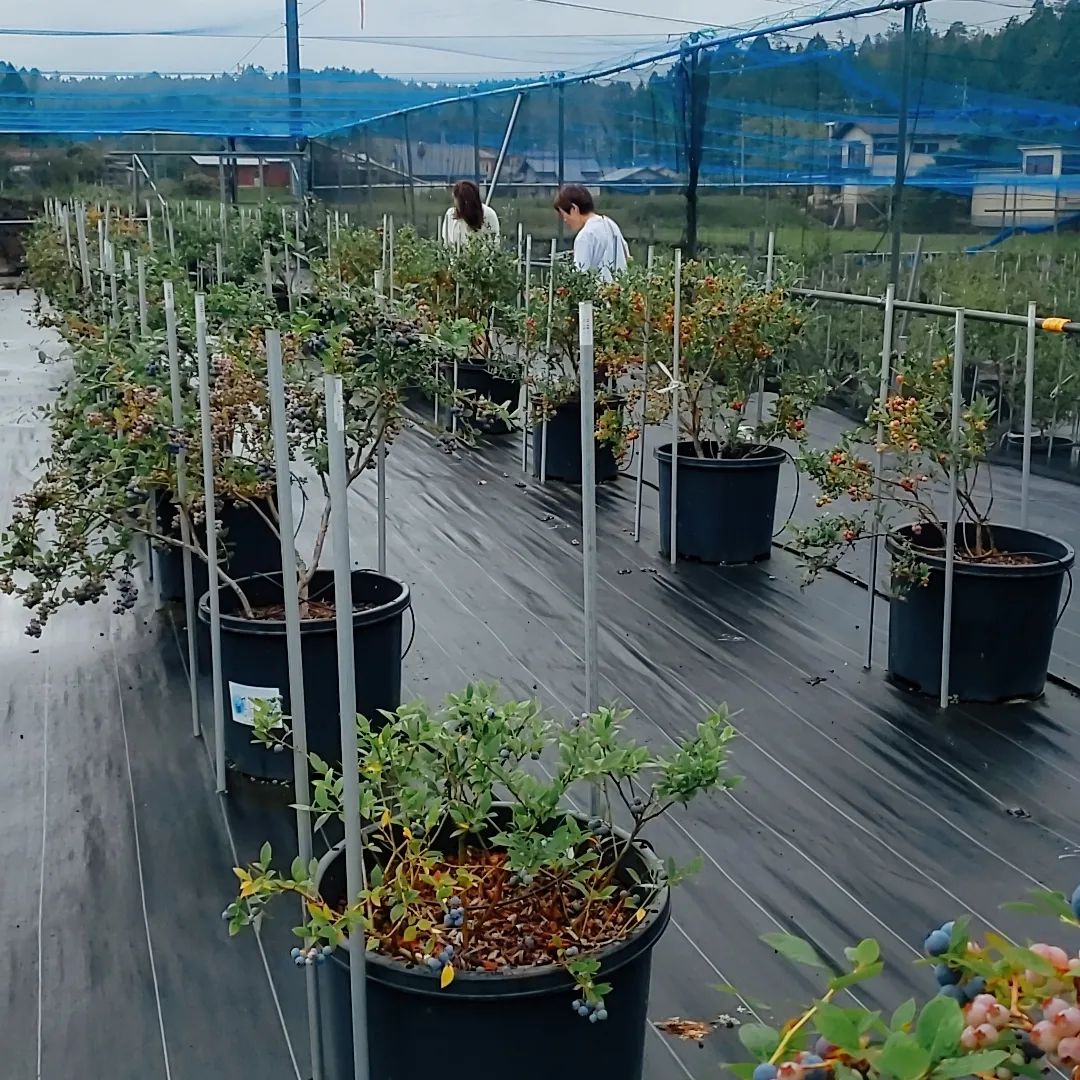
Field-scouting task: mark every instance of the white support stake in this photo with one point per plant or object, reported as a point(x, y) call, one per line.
point(1029, 405)
point(209, 497)
point(588, 518)
point(219, 257)
point(676, 351)
point(144, 307)
point(883, 393)
point(547, 359)
point(268, 274)
point(297, 706)
point(950, 525)
point(182, 500)
point(526, 359)
point(640, 482)
point(343, 603)
point(84, 248)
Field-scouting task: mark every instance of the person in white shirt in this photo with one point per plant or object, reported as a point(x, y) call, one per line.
point(468, 217)
point(599, 244)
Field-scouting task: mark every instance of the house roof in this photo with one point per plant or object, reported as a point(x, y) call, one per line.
point(446, 161)
point(635, 172)
point(920, 128)
point(575, 169)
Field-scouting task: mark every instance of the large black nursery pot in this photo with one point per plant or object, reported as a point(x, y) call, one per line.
point(484, 383)
point(517, 1024)
point(564, 446)
point(726, 506)
point(252, 546)
point(1004, 617)
point(255, 664)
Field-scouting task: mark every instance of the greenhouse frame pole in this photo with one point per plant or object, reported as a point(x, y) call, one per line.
point(297, 705)
point(1029, 406)
point(144, 307)
point(476, 142)
point(181, 495)
point(588, 519)
point(950, 525)
point(343, 602)
point(897, 215)
point(883, 392)
point(209, 501)
point(505, 146)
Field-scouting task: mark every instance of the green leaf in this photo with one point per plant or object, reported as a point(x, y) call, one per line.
point(941, 1023)
point(793, 948)
point(409, 933)
point(298, 871)
point(744, 1070)
point(397, 912)
point(978, 1062)
point(867, 952)
point(760, 1040)
point(842, 982)
point(903, 1016)
point(834, 1025)
point(903, 1058)
point(1044, 902)
point(265, 854)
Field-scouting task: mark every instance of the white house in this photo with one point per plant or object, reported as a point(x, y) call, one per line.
point(863, 154)
point(1044, 189)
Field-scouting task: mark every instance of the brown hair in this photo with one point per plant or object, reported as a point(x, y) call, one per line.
point(574, 195)
point(468, 205)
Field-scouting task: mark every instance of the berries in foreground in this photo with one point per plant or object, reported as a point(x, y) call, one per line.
point(1076, 901)
point(937, 943)
point(765, 1071)
point(945, 975)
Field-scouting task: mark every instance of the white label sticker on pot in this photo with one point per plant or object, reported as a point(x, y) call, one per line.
point(244, 700)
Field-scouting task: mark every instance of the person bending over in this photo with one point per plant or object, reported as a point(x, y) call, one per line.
point(599, 244)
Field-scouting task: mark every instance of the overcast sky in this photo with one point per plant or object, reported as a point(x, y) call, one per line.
point(496, 37)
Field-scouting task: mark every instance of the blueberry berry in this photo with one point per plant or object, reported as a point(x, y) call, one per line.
point(765, 1071)
point(937, 943)
point(945, 975)
point(1076, 901)
point(957, 993)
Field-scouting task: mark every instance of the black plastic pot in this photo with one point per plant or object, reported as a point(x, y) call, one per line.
point(518, 1024)
point(1040, 447)
point(254, 657)
point(1003, 623)
point(485, 384)
point(726, 506)
point(564, 446)
point(251, 547)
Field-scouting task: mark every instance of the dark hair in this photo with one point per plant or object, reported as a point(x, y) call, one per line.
point(574, 195)
point(469, 207)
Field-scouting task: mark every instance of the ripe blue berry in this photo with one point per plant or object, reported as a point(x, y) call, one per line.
point(1076, 901)
point(327, 950)
point(947, 928)
point(957, 993)
point(974, 987)
point(945, 975)
point(577, 1004)
point(936, 943)
point(455, 902)
point(295, 953)
point(583, 1011)
point(601, 1015)
point(434, 963)
point(594, 1017)
point(765, 1071)
point(813, 1074)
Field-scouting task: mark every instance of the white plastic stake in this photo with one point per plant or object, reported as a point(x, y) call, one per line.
point(84, 248)
point(268, 274)
point(676, 351)
point(950, 525)
point(547, 359)
point(182, 501)
point(144, 307)
point(640, 482)
point(219, 256)
point(1029, 405)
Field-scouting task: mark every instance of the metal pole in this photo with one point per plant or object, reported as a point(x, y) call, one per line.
point(547, 360)
point(149, 225)
point(883, 391)
point(268, 274)
point(219, 256)
point(390, 258)
point(129, 302)
point(343, 604)
point(526, 359)
point(676, 347)
point(172, 238)
point(211, 539)
point(476, 141)
point(640, 483)
point(182, 505)
point(291, 599)
point(84, 248)
point(770, 275)
point(66, 223)
point(588, 518)
point(897, 216)
point(503, 148)
point(950, 526)
point(144, 307)
point(1029, 404)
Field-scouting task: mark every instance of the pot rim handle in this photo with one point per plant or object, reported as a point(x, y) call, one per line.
point(412, 617)
point(1068, 597)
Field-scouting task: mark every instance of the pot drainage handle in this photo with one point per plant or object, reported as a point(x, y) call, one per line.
point(798, 486)
point(412, 618)
point(1068, 597)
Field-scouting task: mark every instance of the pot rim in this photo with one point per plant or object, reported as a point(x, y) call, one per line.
point(895, 542)
point(237, 624)
point(518, 981)
point(768, 456)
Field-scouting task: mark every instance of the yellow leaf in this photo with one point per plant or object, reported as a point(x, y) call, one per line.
point(247, 889)
point(447, 976)
point(241, 873)
point(407, 833)
point(640, 914)
point(385, 819)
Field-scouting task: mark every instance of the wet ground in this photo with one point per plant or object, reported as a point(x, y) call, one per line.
point(864, 812)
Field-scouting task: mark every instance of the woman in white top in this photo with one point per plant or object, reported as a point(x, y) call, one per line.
point(599, 244)
point(468, 217)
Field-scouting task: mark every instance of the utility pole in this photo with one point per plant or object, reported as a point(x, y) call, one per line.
point(901, 147)
point(292, 46)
